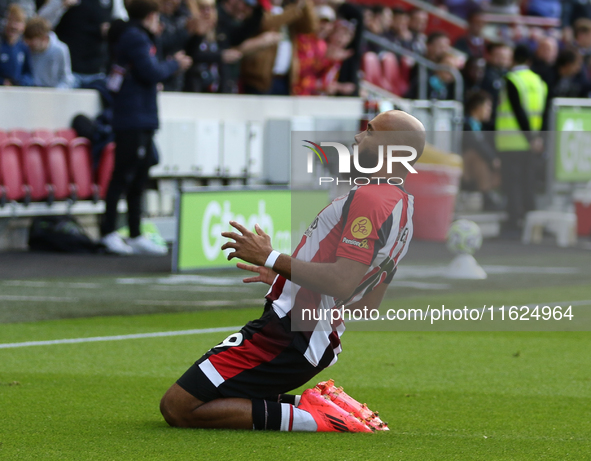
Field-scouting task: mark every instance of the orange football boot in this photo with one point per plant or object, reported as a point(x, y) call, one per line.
point(328, 416)
point(350, 405)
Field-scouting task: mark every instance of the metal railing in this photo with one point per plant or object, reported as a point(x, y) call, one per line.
point(423, 63)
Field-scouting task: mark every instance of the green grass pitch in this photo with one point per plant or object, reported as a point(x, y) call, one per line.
point(446, 395)
point(462, 396)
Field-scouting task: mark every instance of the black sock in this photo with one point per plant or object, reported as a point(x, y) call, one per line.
point(287, 398)
point(266, 415)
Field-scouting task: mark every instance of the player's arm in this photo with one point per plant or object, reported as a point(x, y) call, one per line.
point(371, 300)
point(338, 279)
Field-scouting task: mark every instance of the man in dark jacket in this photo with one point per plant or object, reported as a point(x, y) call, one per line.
point(498, 61)
point(133, 80)
point(83, 28)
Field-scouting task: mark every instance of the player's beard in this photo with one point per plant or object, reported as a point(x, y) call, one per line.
point(368, 158)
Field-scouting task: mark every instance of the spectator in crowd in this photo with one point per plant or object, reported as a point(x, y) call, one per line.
point(271, 70)
point(498, 61)
point(545, 57)
point(419, 19)
point(473, 42)
point(83, 27)
point(481, 163)
point(565, 80)
point(175, 23)
point(212, 54)
point(583, 43)
point(50, 58)
point(440, 84)
point(15, 58)
point(571, 11)
point(337, 51)
point(399, 32)
point(377, 20)
point(27, 6)
point(518, 124)
point(349, 68)
point(311, 50)
point(321, 55)
point(136, 73)
point(207, 73)
point(544, 8)
point(238, 20)
point(473, 74)
point(437, 45)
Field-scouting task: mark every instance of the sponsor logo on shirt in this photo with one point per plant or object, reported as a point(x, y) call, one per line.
point(311, 228)
point(363, 244)
point(361, 227)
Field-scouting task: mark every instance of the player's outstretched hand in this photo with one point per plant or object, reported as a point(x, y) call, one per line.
point(266, 275)
point(248, 246)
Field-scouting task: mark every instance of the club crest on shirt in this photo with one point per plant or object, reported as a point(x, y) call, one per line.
point(311, 228)
point(361, 227)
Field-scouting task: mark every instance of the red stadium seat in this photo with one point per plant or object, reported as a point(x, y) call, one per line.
point(69, 134)
point(45, 135)
point(56, 166)
point(12, 186)
point(80, 163)
point(393, 80)
point(3, 136)
point(406, 66)
point(34, 170)
point(22, 135)
point(105, 169)
point(372, 68)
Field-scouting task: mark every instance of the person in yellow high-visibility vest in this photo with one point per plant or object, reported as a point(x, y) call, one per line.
point(518, 140)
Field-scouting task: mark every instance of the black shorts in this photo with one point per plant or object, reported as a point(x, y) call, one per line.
point(258, 362)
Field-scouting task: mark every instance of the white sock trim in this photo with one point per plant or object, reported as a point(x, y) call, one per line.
point(286, 417)
point(303, 421)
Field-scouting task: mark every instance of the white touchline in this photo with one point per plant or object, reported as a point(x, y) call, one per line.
point(93, 339)
point(38, 298)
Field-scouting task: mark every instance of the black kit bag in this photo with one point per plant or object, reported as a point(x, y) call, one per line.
point(63, 234)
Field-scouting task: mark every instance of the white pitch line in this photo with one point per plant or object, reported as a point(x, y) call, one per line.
point(156, 302)
point(94, 339)
point(36, 284)
point(38, 298)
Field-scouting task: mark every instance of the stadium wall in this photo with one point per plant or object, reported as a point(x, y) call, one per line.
point(249, 137)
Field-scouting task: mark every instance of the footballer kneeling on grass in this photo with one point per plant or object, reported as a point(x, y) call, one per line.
point(347, 257)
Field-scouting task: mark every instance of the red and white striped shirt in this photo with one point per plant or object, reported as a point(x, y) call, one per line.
point(372, 224)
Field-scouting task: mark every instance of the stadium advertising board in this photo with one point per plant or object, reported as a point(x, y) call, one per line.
point(203, 215)
point(573, 144)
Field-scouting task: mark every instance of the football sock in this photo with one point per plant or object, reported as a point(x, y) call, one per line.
point(303, 421)
point(274, 416)
point(266, 415)
point(289, 398)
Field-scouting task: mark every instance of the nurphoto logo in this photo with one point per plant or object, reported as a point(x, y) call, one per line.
point(392, 157)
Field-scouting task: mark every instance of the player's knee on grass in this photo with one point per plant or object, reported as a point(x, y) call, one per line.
point(177, 406)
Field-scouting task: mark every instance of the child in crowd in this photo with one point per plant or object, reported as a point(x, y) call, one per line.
point(320, 56)
point(481, 163)
point(50, 58)
point(15, 65)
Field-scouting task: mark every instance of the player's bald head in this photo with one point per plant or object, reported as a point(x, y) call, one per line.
point(400, 128)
